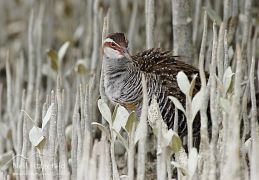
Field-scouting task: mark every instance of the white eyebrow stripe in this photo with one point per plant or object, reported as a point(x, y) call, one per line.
point(108, 40)
point(111, 41)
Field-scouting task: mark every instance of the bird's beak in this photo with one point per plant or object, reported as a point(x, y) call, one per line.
point(126, 53)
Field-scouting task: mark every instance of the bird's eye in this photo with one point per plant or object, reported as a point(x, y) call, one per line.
point(113, 44)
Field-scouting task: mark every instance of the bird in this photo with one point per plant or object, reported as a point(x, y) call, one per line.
point(122, 76)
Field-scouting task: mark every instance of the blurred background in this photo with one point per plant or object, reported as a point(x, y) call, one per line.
point(50, 53)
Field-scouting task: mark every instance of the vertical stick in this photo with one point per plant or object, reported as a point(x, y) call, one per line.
point(232, 169)
point(64, 172)
point(150, 20)
point(204, 119)
point(196, 20)
point(182, 29)
point(96, 35)
point(254, 128)
point(142, 140)
point(39, 27)
point(104, 33)
point(220, 52)
point(213, 106)
point(51, 171)
point(132, 27)
point(227, 10)
point(31, 61)
point(247, 19)
point(75, 137)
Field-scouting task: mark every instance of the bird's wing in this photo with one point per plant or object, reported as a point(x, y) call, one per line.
point(164, 65)
point(165, 68)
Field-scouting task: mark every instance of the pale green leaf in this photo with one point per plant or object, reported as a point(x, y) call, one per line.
point(139, 132)
point(192, 162)
point(115, 112)
point(121, 118)
point(53, 56)
point(62, 50)
point(131, 120)
point(41, 144)
point(78, 33)
point(47, 116)
point(192, 84)
point(220, 85)
point(49, 72)
point(103, 129)
point(231, 52)
point(167, 137)
point(227, 79)
point(4, 129)
point(36, 136)
point(196, 104)
point(248, 145)
point(183, 82)
point(176, 143)
point(213, 15)
point(225, 105)
point(179, 166)
point(177, 103)
point(68, 132)
point(6, 160)
point(80, 67)
point(121, 139)
point(105, 111)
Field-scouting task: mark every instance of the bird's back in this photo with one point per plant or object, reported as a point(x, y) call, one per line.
point(161, 68)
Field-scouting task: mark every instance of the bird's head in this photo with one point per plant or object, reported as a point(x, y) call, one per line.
point(115, 46)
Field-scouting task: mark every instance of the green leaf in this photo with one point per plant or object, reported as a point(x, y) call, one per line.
point(53, 56)
point(36, 136)
point(171, 139)
point(47, 116)
point(183, 82)
point(192, 85)
point(41, 144)
point(176, 143)
point(103, 129)
point(105, 111)
point(131, 120)
point(196, 104)
point(62, 50)
point(177, 103)
point(213, 15)
point(80, 67)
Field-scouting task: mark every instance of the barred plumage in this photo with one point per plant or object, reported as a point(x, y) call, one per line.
point(122, 79)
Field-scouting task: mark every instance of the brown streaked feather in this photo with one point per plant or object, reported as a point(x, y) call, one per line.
point(166, 67)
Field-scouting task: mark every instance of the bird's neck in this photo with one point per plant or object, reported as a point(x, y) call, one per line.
point(115, 73)
point(113, 67)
